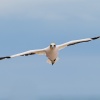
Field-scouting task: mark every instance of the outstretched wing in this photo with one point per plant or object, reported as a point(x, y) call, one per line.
point(27, 53)
point(76, 42)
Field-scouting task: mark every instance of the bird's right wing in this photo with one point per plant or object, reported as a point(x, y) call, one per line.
point(76, 42)
point(27, 53)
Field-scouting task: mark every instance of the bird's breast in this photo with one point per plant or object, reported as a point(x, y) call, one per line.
point(52, 53)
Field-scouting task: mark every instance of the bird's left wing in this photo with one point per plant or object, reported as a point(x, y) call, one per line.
point(30, 52)
point(76, 42)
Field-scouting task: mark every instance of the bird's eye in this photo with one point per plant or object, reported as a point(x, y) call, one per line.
point(54, 45)
point(50, 45)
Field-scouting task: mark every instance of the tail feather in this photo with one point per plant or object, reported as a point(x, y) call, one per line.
point(52, 62)
point(49, 61)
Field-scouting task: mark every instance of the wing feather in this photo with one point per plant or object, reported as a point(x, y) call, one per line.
point(62, 46)
point(27, 53)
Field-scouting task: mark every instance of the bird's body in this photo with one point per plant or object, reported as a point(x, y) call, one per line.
point(51, 51)
point(52, 54)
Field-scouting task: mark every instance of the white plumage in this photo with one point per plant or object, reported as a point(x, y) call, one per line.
point(51, 51)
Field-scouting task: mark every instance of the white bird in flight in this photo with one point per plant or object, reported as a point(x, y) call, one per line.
point(51, 51)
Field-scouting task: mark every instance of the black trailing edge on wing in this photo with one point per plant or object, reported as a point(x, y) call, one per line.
point(94, 38)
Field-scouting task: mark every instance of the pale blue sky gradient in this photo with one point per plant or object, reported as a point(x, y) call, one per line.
point(34, 24)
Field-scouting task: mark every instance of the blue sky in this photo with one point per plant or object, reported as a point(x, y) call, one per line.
point(34, 24)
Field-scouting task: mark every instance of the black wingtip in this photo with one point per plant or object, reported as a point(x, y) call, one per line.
point(95, 38)
point(7, 57)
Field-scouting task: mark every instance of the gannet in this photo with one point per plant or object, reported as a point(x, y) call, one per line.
point(51, 52)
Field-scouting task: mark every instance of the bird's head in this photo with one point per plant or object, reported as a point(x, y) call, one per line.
point(52, 45)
